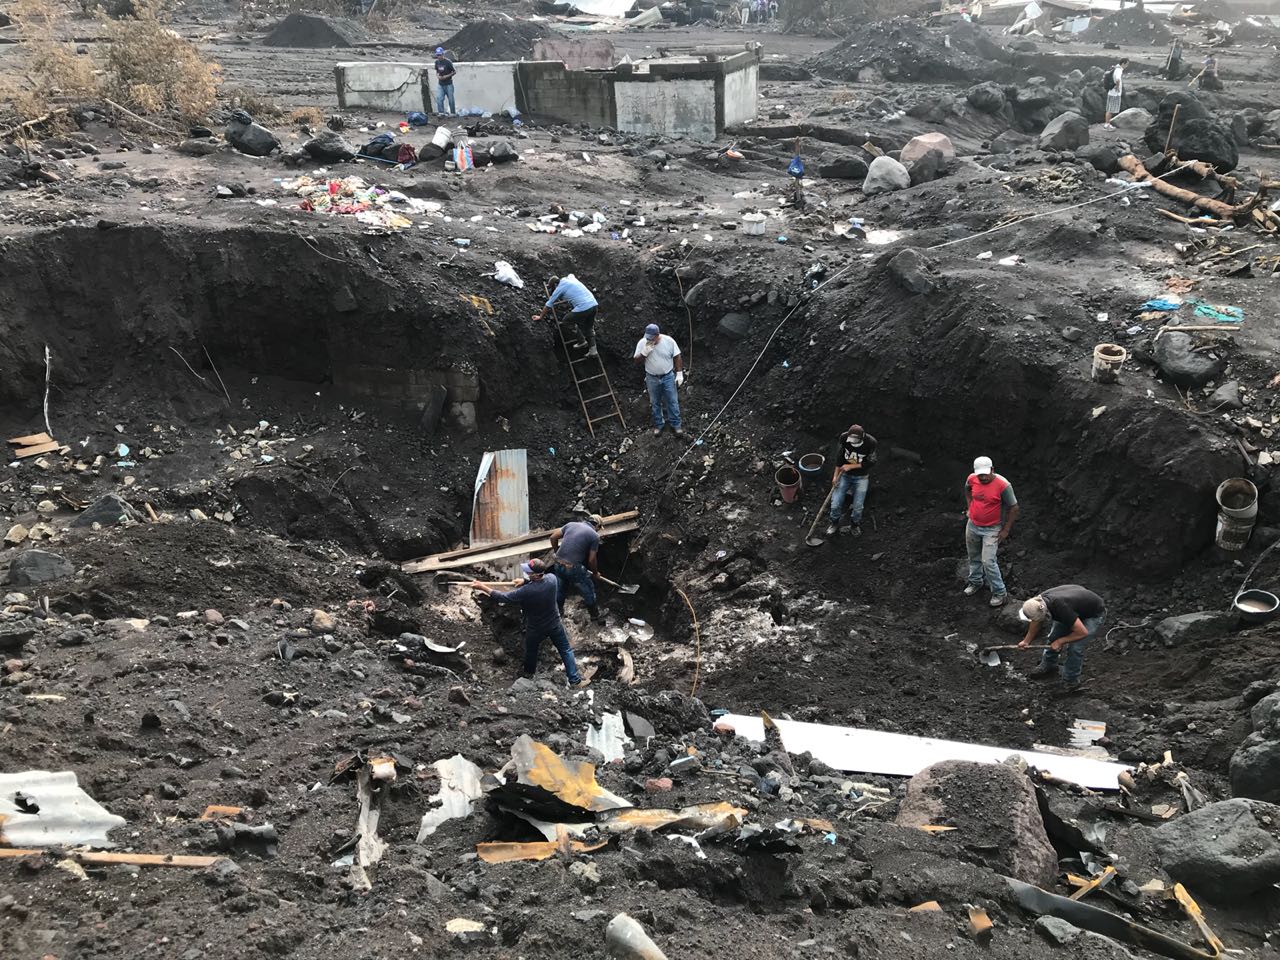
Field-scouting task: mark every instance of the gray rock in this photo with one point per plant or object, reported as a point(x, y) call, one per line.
point(1240, 130)
point(911, 271)
point(1064, 133)
point(735, 325)
point(38, 566)
point(1224, 851)
point(996, 811)
point(1072, 334)
point(330, 146)
point(1178, 364)
point(1009, 141)
point(1265, 715)
point(1135, 118)
point(1255, 768)
point(929, 167)
point(698, 292)
point(107, 512)
point(917, 147)
point(1058, 932)
point(1255, 692)
point(1226, 397)
point(251, 138)
point(842, 166)
point(200, 146)
point(884, 176)
point(1194, 626)
point(987, 97)
point(1101, 156)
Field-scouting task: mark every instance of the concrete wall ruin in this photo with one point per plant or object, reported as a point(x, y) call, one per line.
point(685, 97)
point(586, 53)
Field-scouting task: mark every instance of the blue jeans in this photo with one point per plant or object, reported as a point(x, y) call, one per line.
point(445, 90)
point(855, 483)
point(580, 578)
point(533, 640)
point(983, 543)
point(1074, 651)
point(663, 390)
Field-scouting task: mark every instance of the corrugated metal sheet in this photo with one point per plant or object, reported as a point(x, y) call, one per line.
point(500, 506)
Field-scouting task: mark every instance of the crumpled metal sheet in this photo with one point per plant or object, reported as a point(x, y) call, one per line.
point(535, 850)
point(460, 787)
point(610, 738)
point(43, 809)
point(702, 816)
point(573, 782)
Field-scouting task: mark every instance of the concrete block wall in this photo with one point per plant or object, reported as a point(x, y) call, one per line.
point(668, 108)
point(381, 86)
point(586, 53)
point(551, 90)
point(489, 86)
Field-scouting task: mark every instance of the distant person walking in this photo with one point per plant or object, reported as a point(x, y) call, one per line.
point(1115, 92)
point(1075, 615)
point(444, 83)
point(582, 304)
point(1207, 78)
point(855, 456)
point(663, 375)
point(536, 597)
point(991, 510)
point(744, 11)
point(1173, 66)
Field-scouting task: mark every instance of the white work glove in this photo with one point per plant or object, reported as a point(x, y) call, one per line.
point(679, 378)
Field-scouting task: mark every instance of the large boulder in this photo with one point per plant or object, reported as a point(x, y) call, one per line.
point(1255, 768)
point(1173, 354)
point(842, 165)
point(1135, 118)
point(1265, 715)
point(911, 271)
point(38, 566)
point(987, 97)
point(1203, 625)
point(917, 147)
point(1102, 156)
point(1188, 108)
point(995, 810)
point(930, 166)
point(1224, 851)
point(1065, 132)
point(249, 137)
point(329, 146)
point(1205, 140)
point(107, 511)
point(1009, 141)
point(884, 176)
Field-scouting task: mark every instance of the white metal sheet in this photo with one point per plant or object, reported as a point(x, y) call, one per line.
point(900, 755)
point(43, 809)
point(459, 789)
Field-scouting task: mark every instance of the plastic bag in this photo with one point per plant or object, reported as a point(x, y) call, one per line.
point(462, 158)
point(796, 167)
point(506, 273)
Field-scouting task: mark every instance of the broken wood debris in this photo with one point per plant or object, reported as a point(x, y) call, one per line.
point(533, 542)
point(135, 859)
point(35, 444)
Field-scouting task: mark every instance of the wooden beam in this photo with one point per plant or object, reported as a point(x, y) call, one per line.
point(37, 449)
point(137, 859)
point(531, 542)
point(31, 440)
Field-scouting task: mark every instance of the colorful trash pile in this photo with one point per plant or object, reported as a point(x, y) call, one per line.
point(371, 205)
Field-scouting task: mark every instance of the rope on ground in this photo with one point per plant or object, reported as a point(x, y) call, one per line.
point(1125, 626)
point(697, 639)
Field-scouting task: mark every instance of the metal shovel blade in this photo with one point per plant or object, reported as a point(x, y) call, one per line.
point(814, 542)
point(990, 658)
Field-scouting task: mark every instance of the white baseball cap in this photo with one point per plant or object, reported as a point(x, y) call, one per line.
point(982, 465)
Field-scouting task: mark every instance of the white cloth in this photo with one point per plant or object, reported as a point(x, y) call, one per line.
point(661, 360)
point(1117, 81)
point(1113, 101)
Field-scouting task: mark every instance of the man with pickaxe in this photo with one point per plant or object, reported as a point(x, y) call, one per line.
point(1075, 615)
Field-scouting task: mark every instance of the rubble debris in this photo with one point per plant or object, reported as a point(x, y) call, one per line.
point(313, 30)
point(610, 737)
point(499, 852)
point(531, 542)
point(995, 810)
point(43, 809)
point(625, 939)
point(33, 445)
point(1224, 851)
point(250, 137)
point(572, 782)
point(108, 511)
point(460, 787)
point(1132, 26)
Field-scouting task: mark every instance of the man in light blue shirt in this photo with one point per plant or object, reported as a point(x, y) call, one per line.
point(583, 306)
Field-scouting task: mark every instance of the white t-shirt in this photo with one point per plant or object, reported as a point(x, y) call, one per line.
point(661, 361)
point(1117, 81)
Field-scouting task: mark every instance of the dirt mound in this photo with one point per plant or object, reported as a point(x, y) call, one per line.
point(842, 16)
point(496, 40)
point(903, 50)
point(310, 30)
point(1128, 26)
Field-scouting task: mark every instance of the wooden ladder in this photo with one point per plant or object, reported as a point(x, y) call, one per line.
point(588, 372)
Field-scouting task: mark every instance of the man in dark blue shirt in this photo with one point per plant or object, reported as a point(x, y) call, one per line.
point(444, 83)
point(577, 546)
point(536, 597)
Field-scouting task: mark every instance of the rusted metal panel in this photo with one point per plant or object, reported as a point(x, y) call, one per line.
point(500, 507)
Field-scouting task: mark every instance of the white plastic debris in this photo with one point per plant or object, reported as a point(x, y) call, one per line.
point(43, 809)
point(506, 273)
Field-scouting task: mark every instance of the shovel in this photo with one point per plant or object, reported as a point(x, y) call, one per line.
point(811, 540)
point(991, 658)
point(627, 588)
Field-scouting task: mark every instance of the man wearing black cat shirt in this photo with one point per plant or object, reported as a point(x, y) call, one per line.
point(1075, 616)
point(855, 456)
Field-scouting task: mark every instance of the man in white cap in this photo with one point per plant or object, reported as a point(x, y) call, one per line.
point(577, 545)
point(536, 597)
point(663, 373)
point(992, 508)
point(855, 457)
point(1075, 615)
point(445, 73)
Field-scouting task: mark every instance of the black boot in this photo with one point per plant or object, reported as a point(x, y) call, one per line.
point(596, 615)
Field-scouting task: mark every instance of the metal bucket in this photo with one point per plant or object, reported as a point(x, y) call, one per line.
point(789, 483)
point(1256, 606)
point(1237, 511)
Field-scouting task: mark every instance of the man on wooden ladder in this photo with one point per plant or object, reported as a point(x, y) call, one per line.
point(583, 305)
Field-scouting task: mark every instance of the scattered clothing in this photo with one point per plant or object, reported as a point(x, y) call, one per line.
point(1219, 313)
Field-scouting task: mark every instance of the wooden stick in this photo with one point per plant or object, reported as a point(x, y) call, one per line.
point(151, 511)
point(1173, 122)
point(1193, 221)
point(215, 372)
point(137, 859)
point(130, 113)
point(33, 123)
point(1226, 211)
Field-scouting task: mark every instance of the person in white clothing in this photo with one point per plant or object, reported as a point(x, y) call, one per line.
point(663, 374)
point(1115, 92)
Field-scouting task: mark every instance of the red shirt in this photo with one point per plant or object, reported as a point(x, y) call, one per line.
point(986, 500)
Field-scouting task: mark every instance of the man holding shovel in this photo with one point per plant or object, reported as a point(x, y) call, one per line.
point(536, 597)
point(577, 546)
point(855, 456)
point(1075, 616)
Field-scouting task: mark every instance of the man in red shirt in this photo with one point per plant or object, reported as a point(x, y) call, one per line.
point(992, 508)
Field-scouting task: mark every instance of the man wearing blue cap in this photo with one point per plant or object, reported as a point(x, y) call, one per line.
point(582, 303)
point(663, 373)
point(444, 81)
point(536, 597)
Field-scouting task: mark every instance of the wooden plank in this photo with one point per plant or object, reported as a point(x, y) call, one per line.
point(137, 859)
point(216, 811)
point(531, 542)
point(31, 440)
point(37, 449)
